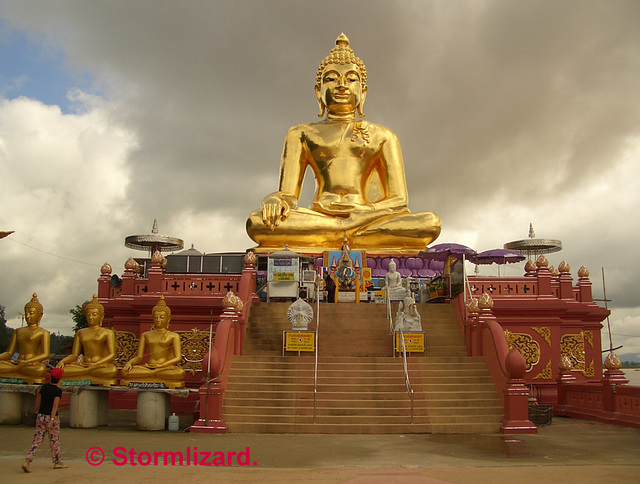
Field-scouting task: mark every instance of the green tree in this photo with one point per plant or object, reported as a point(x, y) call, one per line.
point(5, 333)
point(59, 341)
point(79, 317)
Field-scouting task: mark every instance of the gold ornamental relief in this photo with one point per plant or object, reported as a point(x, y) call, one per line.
point(588, 337)
point(525, 344)
point(545, 332)
point(546, 374)
point(126, 347)
point(572, 346)
point(195, 346)
point(590, 370)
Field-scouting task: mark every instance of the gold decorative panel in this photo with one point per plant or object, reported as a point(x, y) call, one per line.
point(590, 370)
point(126, 347)
point(546, 374)
point(195, 346)
point(525, 344)
point(588, 337)
point(573, 346)
point(545, 332)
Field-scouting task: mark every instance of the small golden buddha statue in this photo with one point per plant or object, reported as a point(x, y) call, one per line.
point(98, 348)
point(361, 191)
point(164, 353)
point(32, 343)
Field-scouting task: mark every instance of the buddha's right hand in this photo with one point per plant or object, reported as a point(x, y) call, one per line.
point(275, 209)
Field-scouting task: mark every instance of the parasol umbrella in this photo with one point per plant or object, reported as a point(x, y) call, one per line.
point(497, 256)
point(443, 251)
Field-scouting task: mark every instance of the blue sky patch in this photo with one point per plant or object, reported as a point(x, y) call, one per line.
point(36, 71)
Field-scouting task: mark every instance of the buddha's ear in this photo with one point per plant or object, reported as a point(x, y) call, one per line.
point(320, 102)
point(361, 105)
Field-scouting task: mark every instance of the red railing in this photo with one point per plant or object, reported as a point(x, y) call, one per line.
point(507, 369)
point(217, 364)
point(611, 401)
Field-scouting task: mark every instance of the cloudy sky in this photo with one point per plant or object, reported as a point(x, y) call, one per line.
point(113, 113)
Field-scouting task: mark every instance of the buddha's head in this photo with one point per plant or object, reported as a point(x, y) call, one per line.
point(94, 312)
point(392, 266)
point(161, 314)
point(33, 311)
point(341, 80)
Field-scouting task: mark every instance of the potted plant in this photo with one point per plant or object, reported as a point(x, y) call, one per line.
point(432, 290)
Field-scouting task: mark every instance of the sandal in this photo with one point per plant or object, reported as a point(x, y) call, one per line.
point(25, 466)
point(60, 465)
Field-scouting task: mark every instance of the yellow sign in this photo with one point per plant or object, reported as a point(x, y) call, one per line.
point(299, 341)
point(284, 276)
point(413, 342)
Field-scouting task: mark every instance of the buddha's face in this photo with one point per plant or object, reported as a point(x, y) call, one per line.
point(161, 320)
point(341, 88)
point(32, 316)
point(94, 318)
point(392, 266)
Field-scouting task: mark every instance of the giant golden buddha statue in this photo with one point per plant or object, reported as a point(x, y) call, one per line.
point(32, 343)
point(361, 191)
point(164, 353)
point(98, 348)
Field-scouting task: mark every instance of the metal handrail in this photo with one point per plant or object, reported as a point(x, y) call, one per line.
point(407, 383)
point(388, 298)
point(315, 371)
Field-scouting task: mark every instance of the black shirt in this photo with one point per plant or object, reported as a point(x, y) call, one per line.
point(48, 393)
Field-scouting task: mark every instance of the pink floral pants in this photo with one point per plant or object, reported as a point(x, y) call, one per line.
point(50, 426)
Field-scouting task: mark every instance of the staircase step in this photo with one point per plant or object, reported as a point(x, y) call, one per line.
point(360, 385)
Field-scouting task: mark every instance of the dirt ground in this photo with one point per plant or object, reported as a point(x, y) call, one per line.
point(571, 449)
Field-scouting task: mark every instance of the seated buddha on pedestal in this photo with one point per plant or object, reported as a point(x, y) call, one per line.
point(361, 191)
point(32, 343)
point(97, 345)
point(164, 351)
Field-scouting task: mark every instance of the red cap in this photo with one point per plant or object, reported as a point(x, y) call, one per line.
point(57, 373)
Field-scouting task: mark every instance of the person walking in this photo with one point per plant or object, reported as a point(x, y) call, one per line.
point(48, 420)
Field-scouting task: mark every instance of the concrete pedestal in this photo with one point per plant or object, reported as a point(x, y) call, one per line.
point(88, 408)
point(10, 408)
point(14, 405)
point(153, 410)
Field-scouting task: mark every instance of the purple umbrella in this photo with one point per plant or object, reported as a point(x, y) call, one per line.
point(497, 256)
point(443, 251)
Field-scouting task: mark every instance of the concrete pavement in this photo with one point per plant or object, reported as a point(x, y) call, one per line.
point(573, 449)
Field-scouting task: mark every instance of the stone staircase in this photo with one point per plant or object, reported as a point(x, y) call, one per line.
point(361, 387)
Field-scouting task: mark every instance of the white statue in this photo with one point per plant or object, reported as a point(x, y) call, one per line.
point(408, 318)
point(393, 278)
point(393, 282)
point(300, 314)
